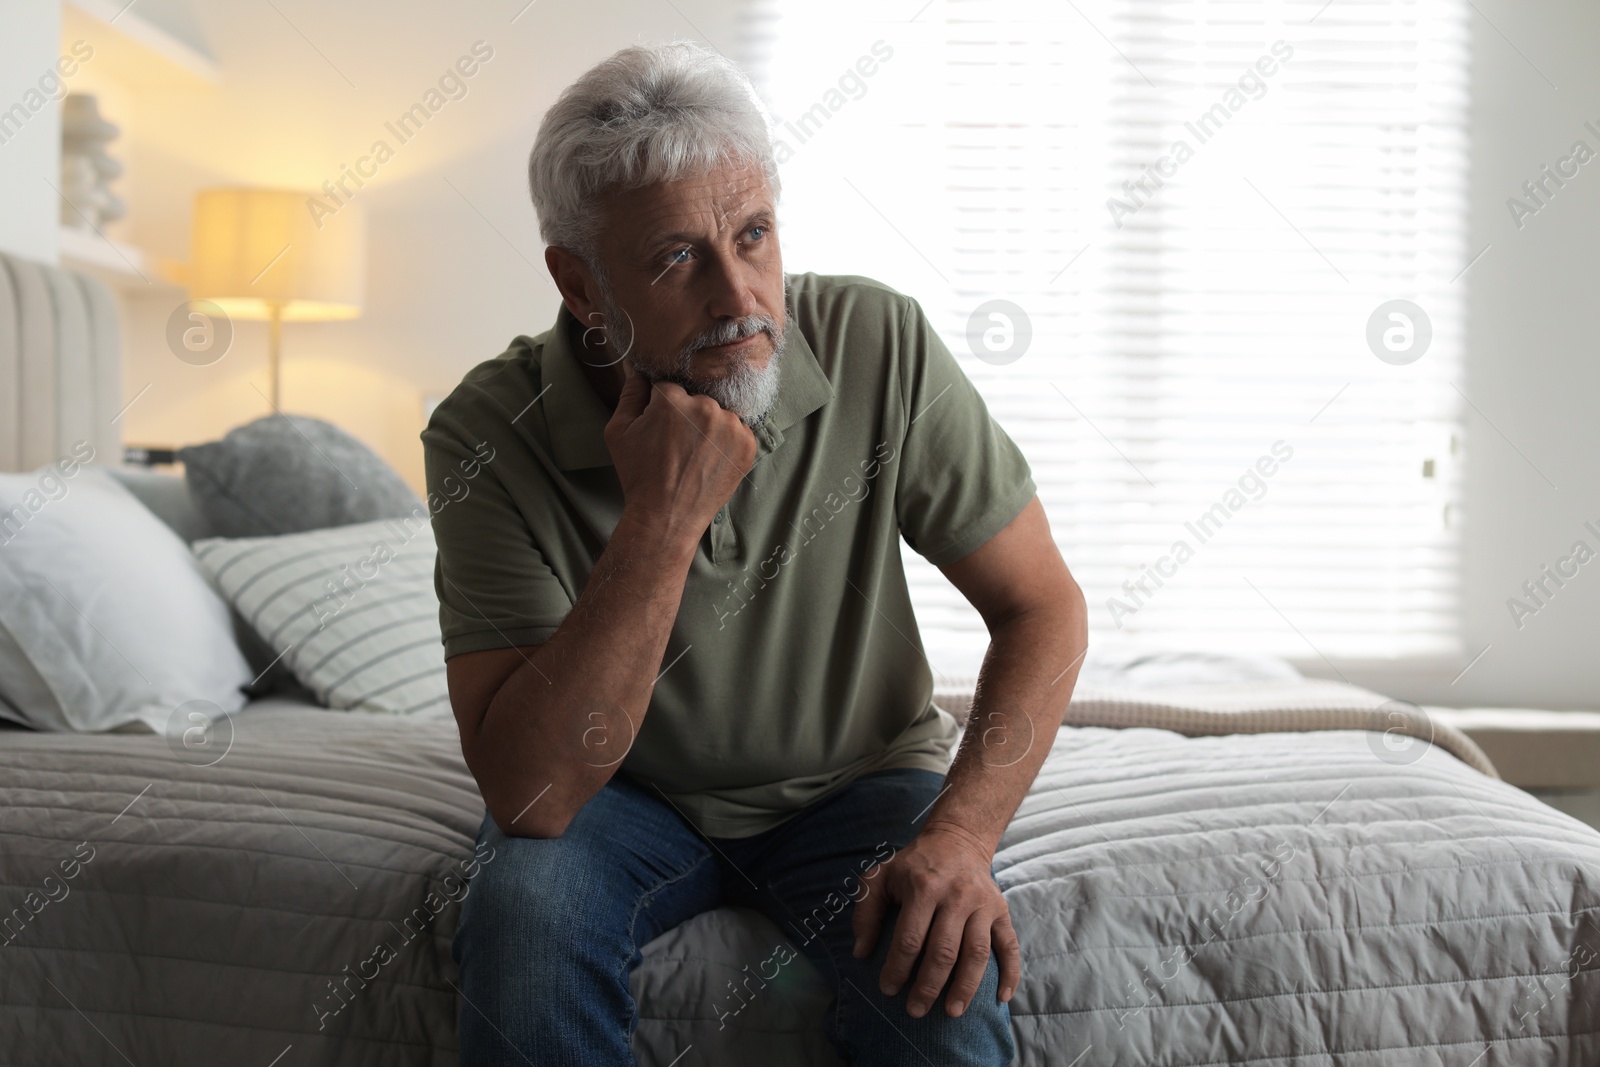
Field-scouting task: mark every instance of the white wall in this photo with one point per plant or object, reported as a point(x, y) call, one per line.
point(29, 36)
point(1533, 338)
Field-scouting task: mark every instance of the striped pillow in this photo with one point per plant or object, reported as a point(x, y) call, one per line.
point(349, 609)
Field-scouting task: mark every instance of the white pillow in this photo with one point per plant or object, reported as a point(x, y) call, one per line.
point(106, 620)
point(351, 609)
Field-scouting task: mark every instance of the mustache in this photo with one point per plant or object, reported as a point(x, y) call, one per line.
point(726, 333)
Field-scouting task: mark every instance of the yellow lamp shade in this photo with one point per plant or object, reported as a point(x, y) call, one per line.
point(257, 250)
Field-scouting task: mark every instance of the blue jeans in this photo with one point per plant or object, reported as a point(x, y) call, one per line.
point(555, 923)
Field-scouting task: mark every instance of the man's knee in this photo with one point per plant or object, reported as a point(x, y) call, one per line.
point(529, 900)
point(880, 1030)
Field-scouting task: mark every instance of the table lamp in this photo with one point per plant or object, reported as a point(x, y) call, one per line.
point(259, 254)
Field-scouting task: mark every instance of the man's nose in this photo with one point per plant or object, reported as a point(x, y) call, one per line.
point(732, 292)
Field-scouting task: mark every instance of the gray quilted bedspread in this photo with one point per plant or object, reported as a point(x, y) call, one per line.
point(1294, 899)
point(1277, 899)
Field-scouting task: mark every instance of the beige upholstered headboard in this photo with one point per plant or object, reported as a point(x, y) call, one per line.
point(60, 366)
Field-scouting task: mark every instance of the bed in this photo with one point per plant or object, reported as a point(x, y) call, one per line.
point(1268, 898)
point(1220, 863)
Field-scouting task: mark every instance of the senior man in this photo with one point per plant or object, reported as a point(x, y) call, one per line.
point(680, 644)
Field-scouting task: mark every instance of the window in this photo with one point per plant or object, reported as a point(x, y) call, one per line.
point(1199, 217)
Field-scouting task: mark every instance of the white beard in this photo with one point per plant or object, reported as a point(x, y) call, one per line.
point(749, 392)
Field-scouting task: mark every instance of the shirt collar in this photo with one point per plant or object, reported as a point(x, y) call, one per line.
point(577, 417)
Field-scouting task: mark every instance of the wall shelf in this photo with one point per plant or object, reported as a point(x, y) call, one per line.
point(132, 48)
point(122, 267)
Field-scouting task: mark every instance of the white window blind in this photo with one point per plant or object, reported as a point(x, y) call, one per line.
point(1198, 207)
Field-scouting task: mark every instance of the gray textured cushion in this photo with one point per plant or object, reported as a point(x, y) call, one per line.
point(291, 473)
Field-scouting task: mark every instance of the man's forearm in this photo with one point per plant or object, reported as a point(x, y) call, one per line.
point(559, 726)
point(1023, 689)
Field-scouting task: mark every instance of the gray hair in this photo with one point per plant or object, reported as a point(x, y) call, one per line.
point(650, 113)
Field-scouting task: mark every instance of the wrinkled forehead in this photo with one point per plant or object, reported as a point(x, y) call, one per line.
point(700, 206)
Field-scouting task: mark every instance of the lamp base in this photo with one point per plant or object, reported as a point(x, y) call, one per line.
point(274, 346)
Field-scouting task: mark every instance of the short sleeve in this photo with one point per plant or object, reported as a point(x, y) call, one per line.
point(495, 588)
point(962, 479)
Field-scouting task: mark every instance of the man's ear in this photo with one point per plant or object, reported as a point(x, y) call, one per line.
point(579, 289)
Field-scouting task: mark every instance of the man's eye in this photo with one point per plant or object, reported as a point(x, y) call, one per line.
point(757, 232)
point(680, 256)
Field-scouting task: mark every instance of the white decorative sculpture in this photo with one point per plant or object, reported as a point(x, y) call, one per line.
point(86, 169)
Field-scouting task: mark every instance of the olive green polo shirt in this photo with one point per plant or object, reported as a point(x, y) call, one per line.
point(794, 664)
